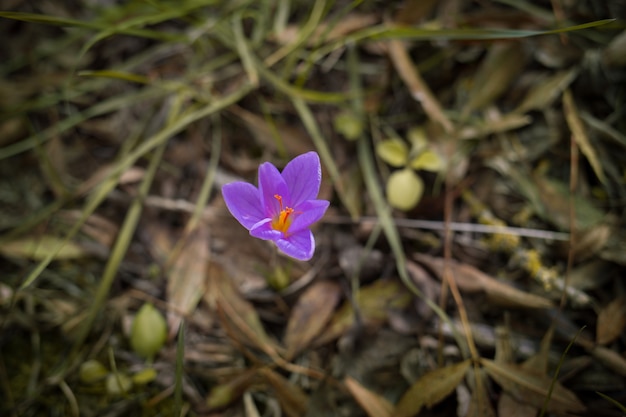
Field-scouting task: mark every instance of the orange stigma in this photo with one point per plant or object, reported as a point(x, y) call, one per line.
point(284, 218)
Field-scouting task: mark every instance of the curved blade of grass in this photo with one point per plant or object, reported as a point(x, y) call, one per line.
point(61, 21)
point(300, 93)
point(387, 32)
point(243, 49)
point(393, 237)
point(612, 401)
point(178, 376)
point(116, 75)
point(107, 106)
point(474, 33)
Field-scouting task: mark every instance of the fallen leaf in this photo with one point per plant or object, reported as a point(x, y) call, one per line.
point(309, 315)
point(373, 404)
point(470, 279)
point(545, 91)
point(501, 66)
point(611, 321)
point(510, 407)
point(238, 316)
point(532, 388)
point(590, 241)
point(187, 276)
point(374, 301)
point(226, 393)
point(431, 388)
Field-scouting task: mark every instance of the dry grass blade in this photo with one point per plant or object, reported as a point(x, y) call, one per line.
point(416, 85)
point(292, 399)
point(431, 388)
point(532, 388)
point(480, 403)
point(579, 134)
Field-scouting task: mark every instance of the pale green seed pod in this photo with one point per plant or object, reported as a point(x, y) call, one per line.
point(117, 384)
point(145, 376)
point(92, 371)
point(148, 332)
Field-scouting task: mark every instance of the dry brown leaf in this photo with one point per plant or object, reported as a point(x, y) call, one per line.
point(238, 316)
point(373, 404)
point(310, 314)
point(611, 321)
point(470, 279)
point(590, 241)
point(503, 63)
point(532, 388)
point(292, 399)
point(374, 301)
point(510, 407)
point(431, 388)
point(55, 167)
point(412, 12)
point(545, 91)
point(537, 364)
point(187, 277)
point(609, 358)
point(504, 123)
point(225, 394)
point(613, 55)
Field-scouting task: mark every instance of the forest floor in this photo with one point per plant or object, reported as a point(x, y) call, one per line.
point(471, 261)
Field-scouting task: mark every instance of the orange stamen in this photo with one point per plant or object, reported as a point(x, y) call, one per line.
point(283, 220)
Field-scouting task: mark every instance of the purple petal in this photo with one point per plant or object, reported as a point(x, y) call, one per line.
point(303, 176)
point(243, 202)
point(271, 183)
point(300, 245)
point(263, 230)
point(308, 213)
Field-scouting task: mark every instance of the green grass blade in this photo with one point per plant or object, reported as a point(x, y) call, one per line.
point(178, 376)
point(108, 106)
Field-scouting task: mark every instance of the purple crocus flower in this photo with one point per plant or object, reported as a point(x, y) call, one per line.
point(283, 207)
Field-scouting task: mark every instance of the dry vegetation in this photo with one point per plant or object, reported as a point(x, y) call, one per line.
point(501, 293)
